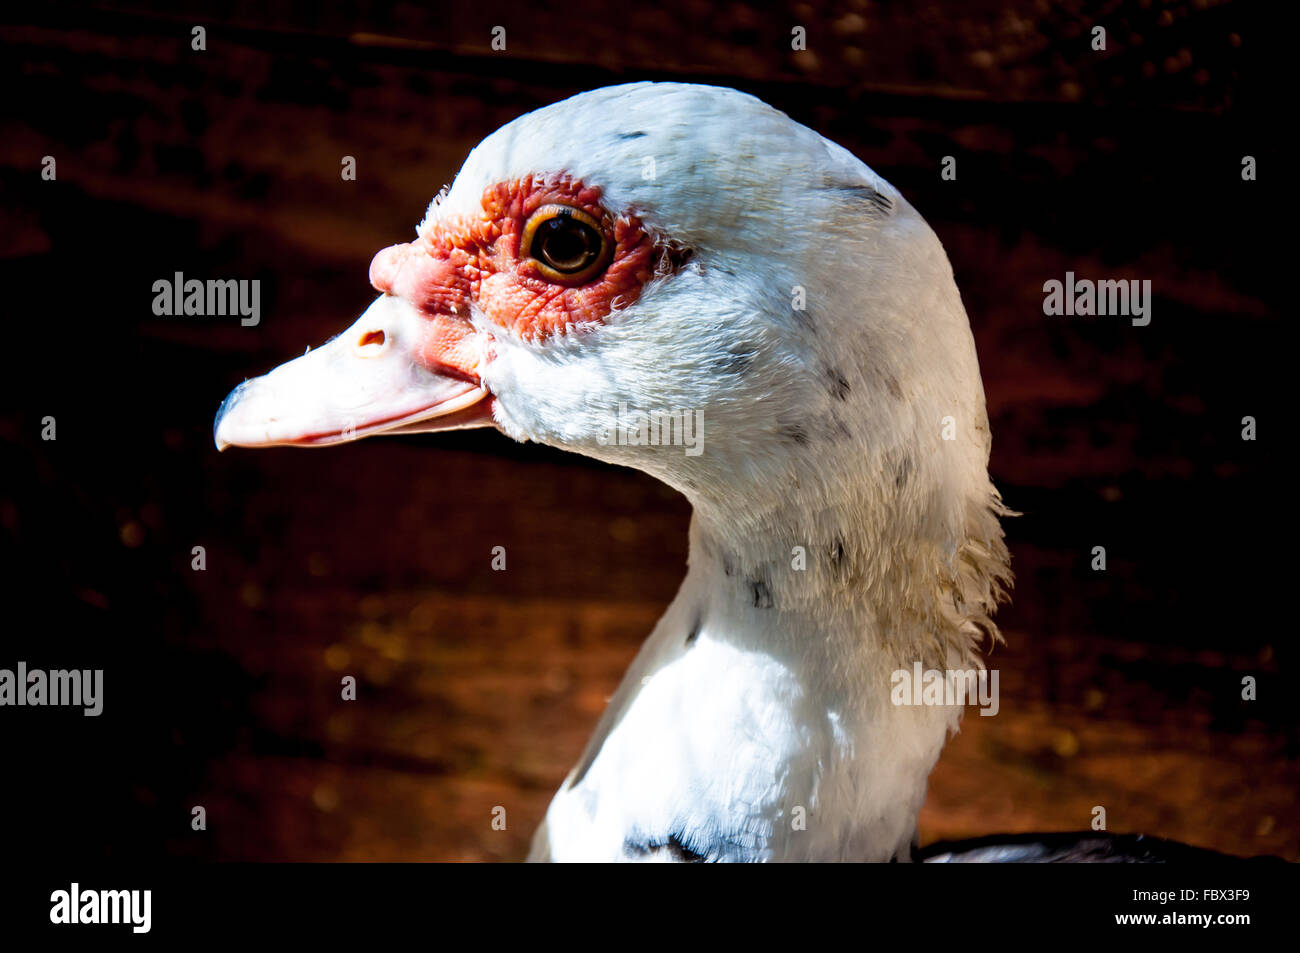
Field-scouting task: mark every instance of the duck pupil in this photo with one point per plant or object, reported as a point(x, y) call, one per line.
point(566, 244)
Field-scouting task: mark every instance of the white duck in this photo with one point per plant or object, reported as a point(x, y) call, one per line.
point(689, 248)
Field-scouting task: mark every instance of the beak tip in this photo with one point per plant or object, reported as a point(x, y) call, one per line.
point(226, 407)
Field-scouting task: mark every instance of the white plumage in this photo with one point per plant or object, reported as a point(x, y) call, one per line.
point(756, 722)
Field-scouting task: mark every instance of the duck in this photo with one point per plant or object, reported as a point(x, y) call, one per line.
point(681, 279)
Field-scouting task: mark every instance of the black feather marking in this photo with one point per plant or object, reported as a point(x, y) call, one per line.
point(881, 203)
point(838, 428)
point(1090, 847)
point(903, 472)
point(739, 357)
point(695, 630)
point(795, 433)
point(670, 258)
point(837, 554)
point(673, 845)
point(839, 384)
point(761, 593)
point(632, 135)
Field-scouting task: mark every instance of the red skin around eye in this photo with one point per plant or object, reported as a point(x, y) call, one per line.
point(476, 258)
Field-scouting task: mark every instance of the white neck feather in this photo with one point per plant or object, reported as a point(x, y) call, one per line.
point(845, 525)
point(756, 722)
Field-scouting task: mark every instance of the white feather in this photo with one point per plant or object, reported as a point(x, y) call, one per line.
point(822, 430)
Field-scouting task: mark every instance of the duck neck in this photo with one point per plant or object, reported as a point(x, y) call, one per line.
point(825, 621)
point(757, 721)
point(840, 584)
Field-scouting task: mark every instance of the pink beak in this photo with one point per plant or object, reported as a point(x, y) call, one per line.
point(368, 380)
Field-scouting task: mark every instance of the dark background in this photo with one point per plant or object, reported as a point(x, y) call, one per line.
point(478, 689)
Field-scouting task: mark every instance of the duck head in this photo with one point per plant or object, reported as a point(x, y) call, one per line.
point(688, 258)
point(682, 279)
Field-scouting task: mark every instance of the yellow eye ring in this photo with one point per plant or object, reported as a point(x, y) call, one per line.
point(567, 245)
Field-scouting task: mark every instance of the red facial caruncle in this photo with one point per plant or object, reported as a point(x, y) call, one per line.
point(540, 258)
point(483, 260)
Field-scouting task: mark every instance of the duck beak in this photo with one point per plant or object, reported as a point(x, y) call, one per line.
point(396, 370)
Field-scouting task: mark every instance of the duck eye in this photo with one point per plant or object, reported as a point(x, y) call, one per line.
point(568, 245)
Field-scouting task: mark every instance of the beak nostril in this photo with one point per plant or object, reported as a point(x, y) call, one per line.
point(371, 337)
